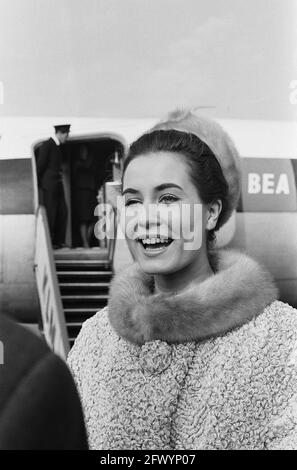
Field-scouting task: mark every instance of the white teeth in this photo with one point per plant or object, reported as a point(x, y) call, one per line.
point(153, 241)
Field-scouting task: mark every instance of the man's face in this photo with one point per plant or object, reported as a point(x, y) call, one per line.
point(62, 137)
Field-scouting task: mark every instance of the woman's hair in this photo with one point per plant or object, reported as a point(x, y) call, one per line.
point(204, 169)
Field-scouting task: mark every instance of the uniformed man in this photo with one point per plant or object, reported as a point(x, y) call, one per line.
point(50, 182)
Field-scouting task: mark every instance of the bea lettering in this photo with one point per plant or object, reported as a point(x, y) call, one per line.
point(268, 183)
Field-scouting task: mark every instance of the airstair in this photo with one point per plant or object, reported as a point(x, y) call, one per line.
point(84, 277)
point(72, 283)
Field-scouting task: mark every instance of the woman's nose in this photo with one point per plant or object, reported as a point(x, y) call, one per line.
point(148, 216)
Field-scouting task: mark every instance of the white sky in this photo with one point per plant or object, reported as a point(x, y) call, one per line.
point(139, 58)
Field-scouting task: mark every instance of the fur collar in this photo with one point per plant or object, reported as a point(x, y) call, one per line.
point(238, 291)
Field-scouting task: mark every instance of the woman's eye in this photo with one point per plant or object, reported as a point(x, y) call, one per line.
point(131, 201)
point(168, 198)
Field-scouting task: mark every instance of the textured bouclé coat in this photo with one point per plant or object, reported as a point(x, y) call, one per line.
point(211, 367)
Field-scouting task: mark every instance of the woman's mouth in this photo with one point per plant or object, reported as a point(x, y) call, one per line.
point(154, 245)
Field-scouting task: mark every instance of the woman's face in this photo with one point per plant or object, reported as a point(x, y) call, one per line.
point(165, 220)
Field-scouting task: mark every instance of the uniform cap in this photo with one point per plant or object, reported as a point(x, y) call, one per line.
point(62, 127)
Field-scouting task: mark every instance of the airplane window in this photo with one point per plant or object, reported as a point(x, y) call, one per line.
point(268, 185)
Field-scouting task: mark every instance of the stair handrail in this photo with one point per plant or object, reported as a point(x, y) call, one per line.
point(112, 241)
point(111, 192)
point(52, 313)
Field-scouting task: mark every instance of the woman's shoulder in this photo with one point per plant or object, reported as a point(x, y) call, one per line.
point(93, 333)
point(268, 342)
point(277, 326)
point(279, 313)
point(273, 331)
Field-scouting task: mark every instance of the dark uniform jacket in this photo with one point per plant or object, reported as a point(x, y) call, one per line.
point(49, 163)
point(39, 404)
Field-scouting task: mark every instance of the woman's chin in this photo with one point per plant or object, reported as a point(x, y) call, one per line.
point(155, 266)
point(154, 262)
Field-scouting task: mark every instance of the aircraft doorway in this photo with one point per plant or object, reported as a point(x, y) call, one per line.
point(88, 163)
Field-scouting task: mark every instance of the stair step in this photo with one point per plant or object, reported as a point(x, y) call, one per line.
point(84, 284)
point(73, 330)
point(78, 311)
point(82, 262)
point(85, 273)
point(87, 277)
point(95, 253)
point(74, 324)
point(81, 301)
point(84, 288)
point(82, 265)
point(74, 316)
point(85, 297)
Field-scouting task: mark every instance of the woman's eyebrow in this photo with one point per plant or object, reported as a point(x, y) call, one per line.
point(167, 185)
point(160, 187)
point(130, 190)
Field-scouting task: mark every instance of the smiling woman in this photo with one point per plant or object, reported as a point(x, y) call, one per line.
point(198, 203)
point(193, 350)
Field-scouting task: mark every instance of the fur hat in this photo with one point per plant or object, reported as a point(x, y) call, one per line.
point(213, 135)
